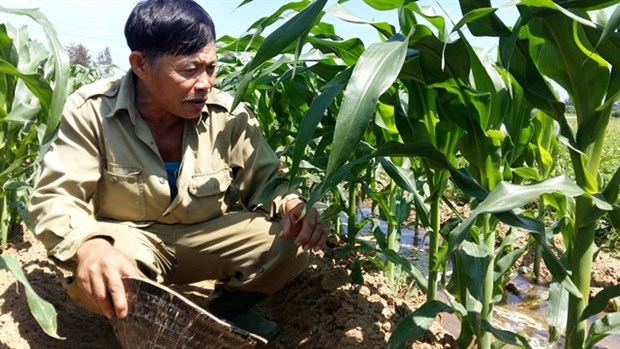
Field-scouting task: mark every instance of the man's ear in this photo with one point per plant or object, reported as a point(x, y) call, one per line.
point(139, 64)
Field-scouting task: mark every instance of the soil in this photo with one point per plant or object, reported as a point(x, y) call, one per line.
point(319, 309)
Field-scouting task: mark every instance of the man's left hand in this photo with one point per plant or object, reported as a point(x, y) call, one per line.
point(309, 229)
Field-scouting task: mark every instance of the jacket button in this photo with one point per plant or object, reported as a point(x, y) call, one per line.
point(162, 180)
point(113, 179)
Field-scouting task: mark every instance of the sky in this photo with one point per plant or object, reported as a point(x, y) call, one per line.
point(99, 24)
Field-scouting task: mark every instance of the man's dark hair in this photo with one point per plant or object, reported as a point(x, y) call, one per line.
point(173, 27)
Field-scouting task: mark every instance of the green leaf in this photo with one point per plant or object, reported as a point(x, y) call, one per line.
point(535, 87)
point(348, 50)
point(385, 5)
point(397, 259)
point(43, 311)
point(61, 72)
point(473, 16)
point(35, 82)
point(611, 26)
point(23, 113)
point(612, 189)
point(600, 301)
point(475, 259)
point(563, 58)
point(558, 310)
point(505, 336)
point(357, 277)
point(549, 4)
point(609, 324)
point(587, 4)
point(314, 115)
point(342, 13)
point(287, 33)
point(505, 264)
point(375, 71)
point(488, 25)
point(399, 177)
point(506, 196)
point(415, 324)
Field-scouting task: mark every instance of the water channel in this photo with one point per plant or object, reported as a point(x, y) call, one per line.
point(523, 311)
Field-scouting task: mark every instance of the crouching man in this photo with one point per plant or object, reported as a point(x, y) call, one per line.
point(153, 175)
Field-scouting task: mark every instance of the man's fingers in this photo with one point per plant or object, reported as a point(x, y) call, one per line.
point(101, 279)
point(118, 297)
point(98, 291)
point(321, 243)
point(311, 231)
point(286, 226)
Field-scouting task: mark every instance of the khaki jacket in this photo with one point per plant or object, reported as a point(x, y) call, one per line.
point(105, 166)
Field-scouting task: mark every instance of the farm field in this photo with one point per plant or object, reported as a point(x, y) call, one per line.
point(320, 309)
point(457, 185)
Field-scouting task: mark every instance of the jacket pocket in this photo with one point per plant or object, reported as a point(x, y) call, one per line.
point(121, 193)
point(207, 195)
point(209, 184)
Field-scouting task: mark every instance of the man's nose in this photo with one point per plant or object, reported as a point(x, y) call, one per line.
point(204, 80)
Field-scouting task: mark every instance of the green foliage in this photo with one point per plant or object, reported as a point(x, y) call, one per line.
point(43, 311)
point(439, 105)
point(33, 86)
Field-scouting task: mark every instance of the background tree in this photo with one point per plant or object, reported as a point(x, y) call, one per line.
point(104, 59)
point(79, 54)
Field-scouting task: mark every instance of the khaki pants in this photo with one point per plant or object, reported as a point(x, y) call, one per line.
point(240, 248)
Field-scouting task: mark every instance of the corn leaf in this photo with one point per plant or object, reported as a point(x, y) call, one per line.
point(35, 82)
point(601, 328)
point(314, 115)
point(43, 311)
point(506, 197)
point(385, 5)
point(600, 301)
point(611, 26)
point(286, 34)
point(375, 71)
point(386, 29)
point(274, 44)
point(407, 266)
point(549, 4)
point(489, 24)
point(505, 336)
point(415, 324)
point(558, 310)
point(61, 72)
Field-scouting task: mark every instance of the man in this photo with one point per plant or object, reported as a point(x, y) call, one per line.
point(153, 175)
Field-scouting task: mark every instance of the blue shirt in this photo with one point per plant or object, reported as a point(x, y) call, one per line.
point(172, 168)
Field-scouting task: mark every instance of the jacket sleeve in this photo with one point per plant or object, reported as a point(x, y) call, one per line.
point(257, 175)
point(60, 210)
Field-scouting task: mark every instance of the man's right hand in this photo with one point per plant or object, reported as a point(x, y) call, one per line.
point(100, 269)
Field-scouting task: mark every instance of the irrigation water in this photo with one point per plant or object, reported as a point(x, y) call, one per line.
point(523, 309)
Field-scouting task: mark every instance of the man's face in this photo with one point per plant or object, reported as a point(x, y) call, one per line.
point(180, 85)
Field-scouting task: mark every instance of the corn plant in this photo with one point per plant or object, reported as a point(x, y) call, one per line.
point(448, 103)
point(33, 87)
point(578, 50)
